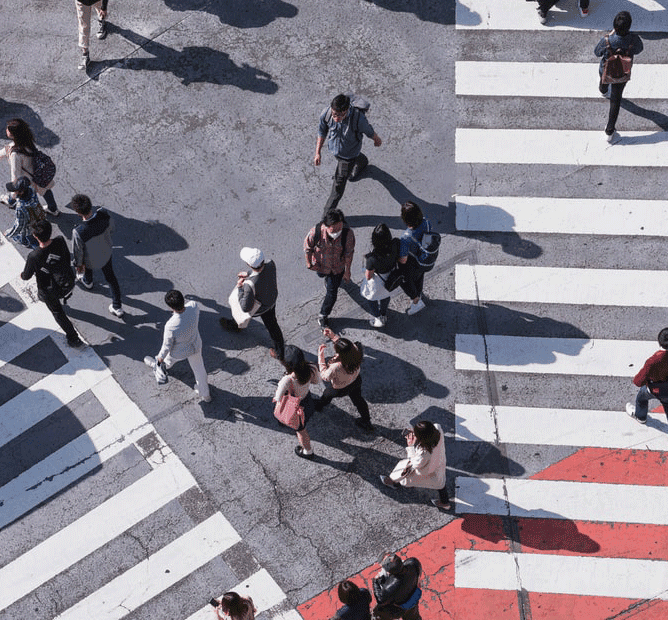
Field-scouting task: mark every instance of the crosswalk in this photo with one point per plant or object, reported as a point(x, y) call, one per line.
point(586, 537)
point(61, 430)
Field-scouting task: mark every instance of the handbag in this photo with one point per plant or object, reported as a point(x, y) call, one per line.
point(241, 317)
point(374, 289)
point(288, 411)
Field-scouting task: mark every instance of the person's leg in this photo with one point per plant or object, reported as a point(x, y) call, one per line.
point(201, 384)
point(603, 88)
point(83, 24)
point(304, 441)
point(642, 400)
point(275, 333)
point(110, 277)
point(326, 398)
point(384, 304)
point(615, 103)
point(355, 392)
point(332, 284)
point(584, 4)
point(101, 21)
point(88, 277)
point(56, 309)
point(51, 202)
point(343, 170)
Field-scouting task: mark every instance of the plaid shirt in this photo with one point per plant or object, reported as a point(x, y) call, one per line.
point(326, 256)
point(20, 231)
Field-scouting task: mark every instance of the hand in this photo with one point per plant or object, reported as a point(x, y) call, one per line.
point(321, 350)
point(102, 14)
point(159, 360)
point(316, 159)
point(346, 274)
point(80, 269)
point(410, 438)
point(376, 140)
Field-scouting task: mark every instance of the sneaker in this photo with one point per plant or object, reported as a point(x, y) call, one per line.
point(118, 312)
point(205, 399)
point(88, 285)
point(84, 61)
point(606, 94)
point(377, 322)
point(299, 451)
point(388, 482)
point(583, 12)
point(442, 505)
point(75, 343)
point(365, 426)
point(5, 199)
point(631, 410)
point(542, 17)
point(101, 29)
point(611, 137)
point(229, 324)
point(55, 213)
point(150, 362)
point(415, 308)
point(323, 321)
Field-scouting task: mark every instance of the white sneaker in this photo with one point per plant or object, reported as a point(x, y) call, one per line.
point(631, 410)
point(415, 308)
point(612, 138)
point(88, 285)
point(119, 312)
point(206, 399)
point(150, 362)
point(55, 213)
point(583, 12)
point(84, 61)
point(377, 322)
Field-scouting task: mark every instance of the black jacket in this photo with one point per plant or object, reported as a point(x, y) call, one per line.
point(398, 588)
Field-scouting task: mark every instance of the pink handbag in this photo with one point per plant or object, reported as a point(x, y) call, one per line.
point(288, 411)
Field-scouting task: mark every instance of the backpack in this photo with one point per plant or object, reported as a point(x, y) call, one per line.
point(427, 248)
point(317, 237)
point(62, 283)
point(617, 66)
point(43, 169)
point(357, 102)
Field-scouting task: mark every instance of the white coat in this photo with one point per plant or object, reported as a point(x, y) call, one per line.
point(428, 469)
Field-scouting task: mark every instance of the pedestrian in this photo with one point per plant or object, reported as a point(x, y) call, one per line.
point(378, 264)
point(51, 266)
point(297, 381)
point(257, 295)
point(396, 588)
point(652, 381)
point(328, 249)
point(27, 212)
point(620, 38)
point(356, 602)
point(545, 5)
point(342, 372)
point(84, 10)
point(409, 248)
point(92, 248)
point(235, 607)
point(424, 466)
point(21, 154)
point(181, 340)
point(344, 127)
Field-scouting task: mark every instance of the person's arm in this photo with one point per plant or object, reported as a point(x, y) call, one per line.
point(638, 45)
point(318, 149)
point(309, 248)
point(282, 387)
point(600, 48)
point(78, 251)
point(642, 378)
point(246, 297)
point(323, 129)
point(167, 343)
point(28, 270)
point(349, 252)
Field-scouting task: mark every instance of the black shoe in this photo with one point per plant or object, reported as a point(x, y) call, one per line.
point(229, 324)
point(365, 426)
point(358, 167)
point(323, 321)
point(101, 29)
point(75, 343)
point(299, 451)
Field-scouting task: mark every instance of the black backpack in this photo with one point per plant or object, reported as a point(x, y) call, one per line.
point(43, 169)
point(426, 250)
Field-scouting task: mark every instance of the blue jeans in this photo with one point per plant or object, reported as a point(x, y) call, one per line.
point(378, 307)
point(642, 398)
point(332, 284)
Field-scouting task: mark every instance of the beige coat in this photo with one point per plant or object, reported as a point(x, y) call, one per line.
point(428, 470)
point(20, 165)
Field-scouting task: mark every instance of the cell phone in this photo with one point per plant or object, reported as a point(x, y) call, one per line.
point(407, 431)
point(214, 603)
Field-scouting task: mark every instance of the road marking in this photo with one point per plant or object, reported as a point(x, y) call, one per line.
point(558, 427)
point(614, 577)
point(575, 216)
point(560, 499)
point(552, 79)
point(24, 331)
point(561, 285)
point(158, 572)
point(560, 147)
point(85, 535)
point(10, 259)
point(566, 356)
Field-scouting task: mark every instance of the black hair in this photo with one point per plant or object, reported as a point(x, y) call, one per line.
point(426, 435)
point(42, 230)
point(294, 362)
point(81, 204)
point(348, 591)
point(20, 133)
point(622, 23)
point(350, 355)
point(411, 214)
point(663, 338)
point(233, 604)
point(340, 103)
point(381, 239)
point(174, 299)
point(333, 216)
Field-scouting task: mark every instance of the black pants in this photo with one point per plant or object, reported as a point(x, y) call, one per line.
point(546, 5)
point(443, 495)
point(413, 281)
point(50, 201)
point(354, 390)
point(56, 308)
point(616, 91)
point(332, 284)
point(269, 319)
point(344, 169)
point(110, 277)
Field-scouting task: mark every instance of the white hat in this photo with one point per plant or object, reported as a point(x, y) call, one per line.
point(253, 257)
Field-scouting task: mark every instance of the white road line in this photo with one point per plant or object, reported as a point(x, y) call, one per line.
point(648, 16)
point(24, 331)
point(566, 356)
point(151, 576)
point(561, 285)
point(584, 576)
point(559, 427)
point(260, 586)
point(558, 499)
point(77, 540)
point(10, 259)
point(573, 216)
point(559, 146)
point(82, 371)
point(552, 79)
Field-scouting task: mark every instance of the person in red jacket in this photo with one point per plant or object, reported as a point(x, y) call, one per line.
point(652, 381)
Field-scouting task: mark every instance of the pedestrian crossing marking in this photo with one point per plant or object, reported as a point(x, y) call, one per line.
point(575, 216)
point(24, 331)
point(558, 427)
point(562, 499)
point(553, 79)
point(614, 577)
point(10, 259)
point(565, 356)
point(561, 147)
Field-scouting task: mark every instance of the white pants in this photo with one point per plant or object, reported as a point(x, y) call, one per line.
point(197, 364)
point(83, 21)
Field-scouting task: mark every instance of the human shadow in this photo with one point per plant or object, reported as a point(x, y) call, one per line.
point(653, 138)
point(192, 65)
point(660, 119)
point(238, 13)
point(44, 137)
point(438, 11)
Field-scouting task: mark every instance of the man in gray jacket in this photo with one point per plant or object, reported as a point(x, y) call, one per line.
point(92, 247)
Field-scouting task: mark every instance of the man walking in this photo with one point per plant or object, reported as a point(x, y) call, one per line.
point(84, 10)
point(396, 588)
point(258, 292)
point(329, 248)
point(181, 340)
point(652, 381)
point(50, 264)
point(344, 127)
point(92, 248)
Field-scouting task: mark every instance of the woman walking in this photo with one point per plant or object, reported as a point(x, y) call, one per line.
point(378, 264)
point(343, 374)
point(235, 607)
point(299, 376)
point(425, 465)
point(21, 153)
